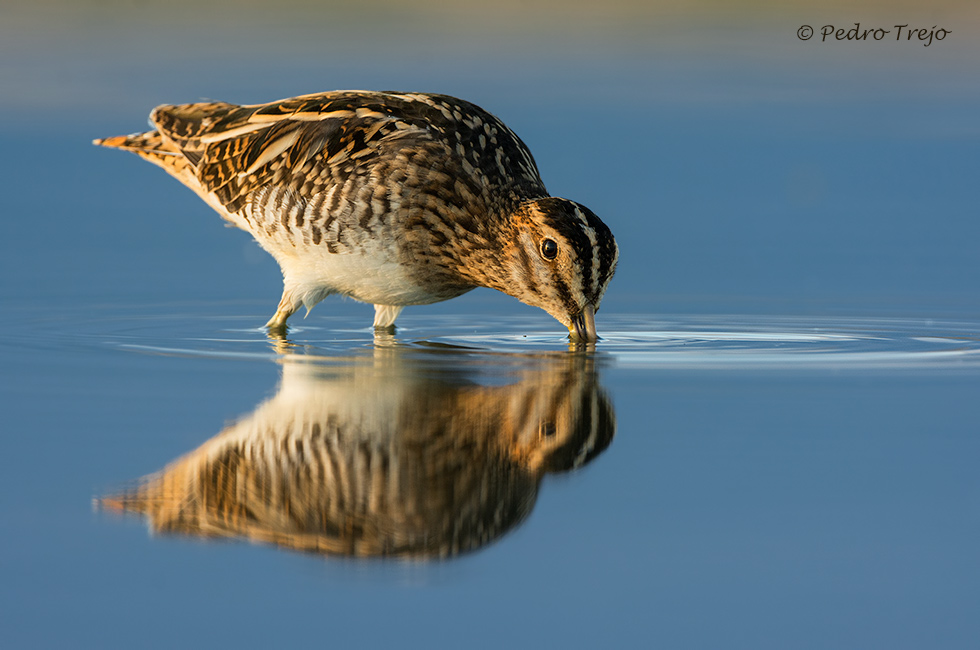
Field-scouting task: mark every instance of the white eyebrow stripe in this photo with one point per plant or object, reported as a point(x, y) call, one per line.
point(594, 244)
point(595, 266)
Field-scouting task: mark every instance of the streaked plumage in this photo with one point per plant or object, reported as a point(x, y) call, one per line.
point(382, 459)
point(393, 199)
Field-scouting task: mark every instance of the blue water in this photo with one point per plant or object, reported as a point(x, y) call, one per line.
point(773, 445)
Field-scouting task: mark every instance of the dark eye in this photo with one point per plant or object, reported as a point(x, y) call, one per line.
point(549, 249)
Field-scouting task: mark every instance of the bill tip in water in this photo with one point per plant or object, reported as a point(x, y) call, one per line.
point(582, 328)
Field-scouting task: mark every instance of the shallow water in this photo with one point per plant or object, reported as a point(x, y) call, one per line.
point(662, 341)
point(764, 467)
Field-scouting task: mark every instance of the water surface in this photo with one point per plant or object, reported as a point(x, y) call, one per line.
point(764, 467)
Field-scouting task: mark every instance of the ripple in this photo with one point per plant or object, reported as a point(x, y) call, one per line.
point(787, 342)
point(632, 340)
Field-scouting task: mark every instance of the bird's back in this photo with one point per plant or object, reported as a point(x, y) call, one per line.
point(354, 145)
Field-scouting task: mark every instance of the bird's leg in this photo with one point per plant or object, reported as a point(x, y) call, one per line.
point(287, 307)
point(384, 317)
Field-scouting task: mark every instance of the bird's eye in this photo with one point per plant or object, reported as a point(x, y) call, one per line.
point(549, 249)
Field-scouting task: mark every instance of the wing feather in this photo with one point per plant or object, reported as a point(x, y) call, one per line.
point(308, 144)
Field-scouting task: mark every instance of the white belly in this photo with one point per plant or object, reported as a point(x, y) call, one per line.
point(368, 278)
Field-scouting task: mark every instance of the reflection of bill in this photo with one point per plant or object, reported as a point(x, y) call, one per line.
point(382, 459)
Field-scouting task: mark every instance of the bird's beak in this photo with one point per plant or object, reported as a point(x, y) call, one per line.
point(583, 325)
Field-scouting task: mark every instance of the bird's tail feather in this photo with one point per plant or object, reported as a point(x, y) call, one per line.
point(153, 147)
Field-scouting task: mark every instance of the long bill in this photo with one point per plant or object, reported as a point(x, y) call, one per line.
point(583, 326)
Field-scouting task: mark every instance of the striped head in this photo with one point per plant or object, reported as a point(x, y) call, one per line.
point(561, 258)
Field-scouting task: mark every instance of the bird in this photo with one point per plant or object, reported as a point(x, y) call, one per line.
point(389, 198)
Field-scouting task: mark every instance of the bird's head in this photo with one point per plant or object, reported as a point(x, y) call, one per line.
point(560, 257)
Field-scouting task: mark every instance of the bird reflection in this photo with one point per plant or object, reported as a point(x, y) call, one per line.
point(383, 457)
